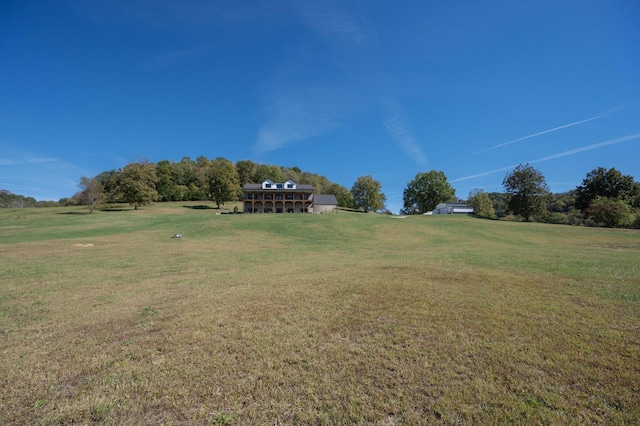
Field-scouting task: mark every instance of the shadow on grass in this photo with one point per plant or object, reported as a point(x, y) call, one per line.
point(74, 213)
point(119, 209)
point(201, 207)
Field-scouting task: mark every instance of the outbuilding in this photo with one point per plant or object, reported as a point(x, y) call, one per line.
point(323, 203)
point(453, 208)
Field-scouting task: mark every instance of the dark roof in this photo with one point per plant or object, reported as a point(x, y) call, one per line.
point(252, 186)
point(325, 200)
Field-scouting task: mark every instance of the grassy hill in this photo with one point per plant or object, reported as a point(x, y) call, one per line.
point(314, 319)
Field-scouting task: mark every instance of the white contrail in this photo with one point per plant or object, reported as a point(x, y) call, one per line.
point(554, 156)
point(564, 126)
point(587, 148)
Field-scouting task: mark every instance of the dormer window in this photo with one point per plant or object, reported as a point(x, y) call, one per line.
point(267, 185)
point(279, 186)
point(289, 186)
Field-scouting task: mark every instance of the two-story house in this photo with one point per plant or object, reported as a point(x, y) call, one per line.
point(273, 197)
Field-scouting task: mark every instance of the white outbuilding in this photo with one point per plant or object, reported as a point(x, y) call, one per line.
point(453, 208)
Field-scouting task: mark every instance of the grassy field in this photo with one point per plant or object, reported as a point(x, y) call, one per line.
point(314, 319)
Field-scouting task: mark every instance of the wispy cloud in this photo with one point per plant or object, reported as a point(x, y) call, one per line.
point(297, 114)
point(167, 58)
point(554, 156)
point(329, 19)
point(36, 175)
point(192, 14)
point(400, 131)
point(39, 160)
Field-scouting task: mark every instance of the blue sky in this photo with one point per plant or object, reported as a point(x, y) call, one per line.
point(338, 88)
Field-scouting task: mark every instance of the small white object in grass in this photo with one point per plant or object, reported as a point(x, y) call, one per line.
point(177, 235)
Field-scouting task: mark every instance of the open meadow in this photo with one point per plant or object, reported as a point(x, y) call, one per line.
point(314, 319)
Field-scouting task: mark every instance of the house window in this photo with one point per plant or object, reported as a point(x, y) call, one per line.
point(289, 186)
point(278, 196)
point(267, 185)
point(289, 196)
point(268, 197)
point(279, 186)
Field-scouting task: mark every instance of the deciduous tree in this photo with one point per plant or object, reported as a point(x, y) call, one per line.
point(267, 171)
point(527, 190)
point(246, 171)
point(343, 195)
point(367, 194)
point(426, 191)
point(223, 181)
point(110, 182)
point(137, 184)
point(90, 194)
point(610, 212)
point(609, 183)
point(481, 203)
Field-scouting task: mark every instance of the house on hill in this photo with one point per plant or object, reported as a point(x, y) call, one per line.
point(285, 197)
point(453, 208)
point(275, 197)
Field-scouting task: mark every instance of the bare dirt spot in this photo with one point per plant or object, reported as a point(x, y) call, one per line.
point(84, 245)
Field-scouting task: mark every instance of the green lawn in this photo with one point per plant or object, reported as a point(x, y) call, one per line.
point(314, 319)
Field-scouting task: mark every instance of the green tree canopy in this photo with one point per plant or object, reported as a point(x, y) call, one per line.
point(609, 183)
point(610, 212)
point(137, 184)
point(166, 185)
point(527, 190)
point(343, 195)
point(246, 172)
point(268, 171)
point(110, 181)
point(481, 203)
point(367, 194)
point(426, 191)
point(223, 181)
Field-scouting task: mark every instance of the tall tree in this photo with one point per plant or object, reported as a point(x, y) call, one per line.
point(223, 181)
point(426, 191)
point(367, 194)
point(610, 212)
point(267, 171)
point(91, 192)
point(610, 183)
point(343, 195)
point(137, 184)
point(165, 184)
point(481, 203)
point(527, 190)
point(110, 181)
point(500, 203)
point(292, 173)
point(246, 171)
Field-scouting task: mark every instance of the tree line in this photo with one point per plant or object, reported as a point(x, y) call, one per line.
point(606, 197)
point(218, 180)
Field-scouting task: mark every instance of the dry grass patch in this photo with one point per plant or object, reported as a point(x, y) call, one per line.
point(300, 319)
